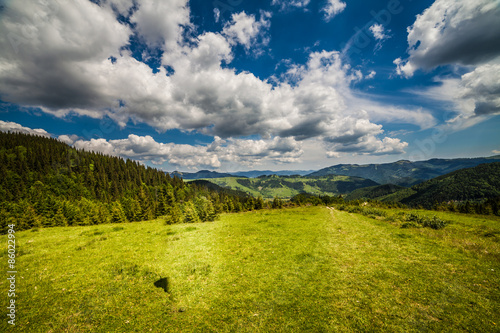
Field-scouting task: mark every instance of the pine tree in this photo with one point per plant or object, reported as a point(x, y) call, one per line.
point(166, 198)
point(259, 203)
point(146, 212)
point(190, 215)
point(174, 215)
point(211, 213)
point(59, 219)
point(117, 213)
point(30, 218)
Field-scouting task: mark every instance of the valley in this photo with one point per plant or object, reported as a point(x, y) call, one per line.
point(288, 186)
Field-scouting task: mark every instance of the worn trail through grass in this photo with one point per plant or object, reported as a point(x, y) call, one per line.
point(298, 270)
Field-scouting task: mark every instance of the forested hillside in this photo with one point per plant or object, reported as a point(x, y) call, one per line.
point(405, 173)
point(473, 184)
point(373, 192)
point(471, 190)
point(44, 182)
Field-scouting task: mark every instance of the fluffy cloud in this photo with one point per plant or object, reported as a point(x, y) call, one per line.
point(161, 22)
point(68, 139)
point(453, 32)
point(7, 126)
point(380, 34)
point(246, 152)
point(360, 136)
point(483, 86)
point(473, 96)
point(464, 34)
point(245, 30)
point(50, 48)
point(74, 61)
point(378, 31)
point(370, 145)
point(332, 8)
point(284, 4)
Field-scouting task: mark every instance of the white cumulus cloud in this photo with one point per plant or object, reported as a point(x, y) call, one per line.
point(161, 22)
point(333, 8)
point(8, 126)
point(453, 32)
point(464, 34)
point(245, 30)
point(244, 152)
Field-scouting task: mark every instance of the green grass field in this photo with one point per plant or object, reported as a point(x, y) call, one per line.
point(296, 270)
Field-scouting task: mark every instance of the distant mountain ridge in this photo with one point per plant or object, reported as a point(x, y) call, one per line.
point(405, 173)
point(206, 174)
point(259, 173)
point(288, 186)
point(202, 174)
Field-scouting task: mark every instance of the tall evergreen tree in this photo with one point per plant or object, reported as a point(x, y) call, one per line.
point(190, 214)
point(174, 215)
point(117, 213)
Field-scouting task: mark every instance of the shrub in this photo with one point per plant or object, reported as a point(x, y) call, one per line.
point(369, 211)
point(411, 224)
point(414, 220)
point(391, 218)
point(434, 223)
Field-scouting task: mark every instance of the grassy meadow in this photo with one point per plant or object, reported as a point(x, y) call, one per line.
point(311, 269)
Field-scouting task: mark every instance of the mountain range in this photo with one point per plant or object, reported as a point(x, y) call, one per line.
point(206, 174)
point(413, 183)
point(403, 173)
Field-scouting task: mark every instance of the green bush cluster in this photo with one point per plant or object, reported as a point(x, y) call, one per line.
point(409, 220)
point(412, 220)
point(366, 211)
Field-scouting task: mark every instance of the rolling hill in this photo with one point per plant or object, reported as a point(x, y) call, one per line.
point(405, 173)
point(374, 192)
point(258, 173)
point(471, 184)
point(202, 174)
point(288, 186)
point(478, 183)
point(206, 174)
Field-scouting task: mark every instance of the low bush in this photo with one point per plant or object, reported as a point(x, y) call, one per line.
point(434, 223)
point(414, 220)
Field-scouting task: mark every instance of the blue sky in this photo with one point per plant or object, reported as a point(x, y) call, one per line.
point(236, 85)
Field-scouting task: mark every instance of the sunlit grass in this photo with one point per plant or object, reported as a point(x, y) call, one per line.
point(305, 269)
